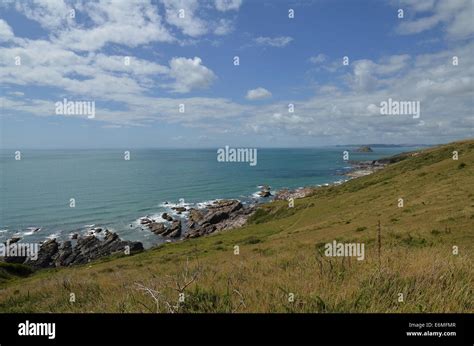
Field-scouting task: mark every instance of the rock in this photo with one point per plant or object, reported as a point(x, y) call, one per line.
point(46, 254)
point(145, 221)
point(174, 230)
point(265, 191)
point(88, 248)
point(75, 236)
point(221, 215)
point(15, 249)
point(286, 194)
point(364, 149)
point(226, 205)
point(157, 227)
point(220, 211)
point(179, 209)
point(110, 237)
point(195, 215)
point(63, 257)
point(166, 217)
point(362, 168)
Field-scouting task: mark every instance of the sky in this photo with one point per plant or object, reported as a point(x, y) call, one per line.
point(290, 88)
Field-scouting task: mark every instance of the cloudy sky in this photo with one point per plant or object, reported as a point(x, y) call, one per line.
point(183, 52)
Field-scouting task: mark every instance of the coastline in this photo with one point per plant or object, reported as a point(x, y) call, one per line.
point(278, 247)
point(180, 222)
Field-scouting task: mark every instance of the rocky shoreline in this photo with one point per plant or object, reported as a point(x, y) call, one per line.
point(218, 216)
point(215, 217)
point(88, 248)
point(362, 168)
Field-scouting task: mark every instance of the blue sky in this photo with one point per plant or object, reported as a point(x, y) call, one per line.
point(189, 61)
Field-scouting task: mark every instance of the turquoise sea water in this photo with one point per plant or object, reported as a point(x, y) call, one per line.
point(114, 193)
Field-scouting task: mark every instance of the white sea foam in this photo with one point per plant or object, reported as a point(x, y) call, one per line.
point(29, 231)
point(54, 235)
point(24, 234)
point(256, 195)
point(205, 204)
point(170, 205)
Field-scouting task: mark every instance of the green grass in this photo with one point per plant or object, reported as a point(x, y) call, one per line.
point(11, 271)
point(279, 254)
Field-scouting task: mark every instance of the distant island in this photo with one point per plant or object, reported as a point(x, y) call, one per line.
point(364, 149)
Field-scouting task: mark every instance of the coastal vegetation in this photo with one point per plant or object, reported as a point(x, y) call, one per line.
point(418, 257)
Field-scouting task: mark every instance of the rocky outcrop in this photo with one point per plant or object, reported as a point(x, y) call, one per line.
point(13, 259)
point(88, 248)
point(46, 254)
point(265, 191)
point(166, 217)
point(146, 220)
point(173, 230)
point(362, 168)
point(364, 149)
point(221, 215)
point(286, 194)
point(157, 227)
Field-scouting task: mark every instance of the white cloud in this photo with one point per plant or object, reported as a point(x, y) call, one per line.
point(454, 16)
point(190, 74)
point(224, 27)
point(279, 42)
point(135, 65)
point(258, 94)
point(183, 15)
point(369, 75)
point(51, 14)
point(444, 91)
point(129, 23)
point(69, 64)
point(320, 58)
point(227, 5)
point(6, 32)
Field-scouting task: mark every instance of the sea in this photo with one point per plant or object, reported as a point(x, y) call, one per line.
point(58, 193)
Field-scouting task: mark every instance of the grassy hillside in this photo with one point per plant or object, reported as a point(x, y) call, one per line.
point(280, 254)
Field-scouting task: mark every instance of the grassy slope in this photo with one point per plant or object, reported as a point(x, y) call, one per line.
point(278, 254)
